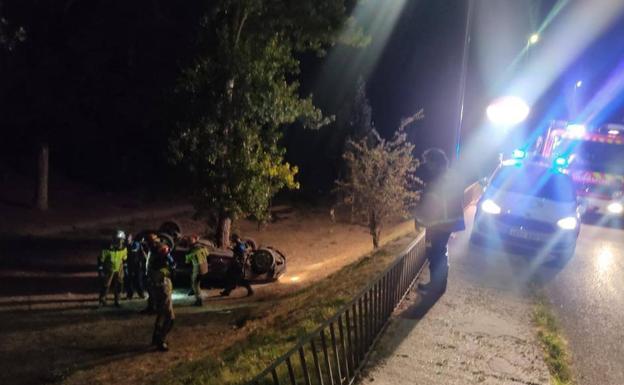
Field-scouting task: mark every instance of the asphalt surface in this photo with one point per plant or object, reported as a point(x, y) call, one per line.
point(588, 296)
point(586, 293)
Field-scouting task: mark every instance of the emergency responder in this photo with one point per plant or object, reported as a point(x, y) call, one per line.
point(137, 257)
point(161, 288)
point(198, 257)
point(111, 266)
point(441, 212)
point(235, 275)
point(150, 246)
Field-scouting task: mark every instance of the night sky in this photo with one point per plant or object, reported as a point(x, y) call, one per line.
point(100, 79)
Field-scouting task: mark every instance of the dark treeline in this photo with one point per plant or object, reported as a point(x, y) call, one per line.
point(94, 79)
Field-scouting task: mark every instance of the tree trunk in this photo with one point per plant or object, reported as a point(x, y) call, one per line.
point(41, 194)
point(224, 227)
point(375, 229)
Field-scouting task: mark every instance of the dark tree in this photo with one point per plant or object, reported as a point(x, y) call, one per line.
point(241, 92)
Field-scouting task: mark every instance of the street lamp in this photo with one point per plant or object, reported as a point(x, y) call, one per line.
point(575, 91)
point(508, 111)
point(534, 39)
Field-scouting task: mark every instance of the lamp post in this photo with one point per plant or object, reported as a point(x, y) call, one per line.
point(462, 77)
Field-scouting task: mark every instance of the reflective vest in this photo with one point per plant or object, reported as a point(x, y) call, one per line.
point(198, 256)
point(113, 258)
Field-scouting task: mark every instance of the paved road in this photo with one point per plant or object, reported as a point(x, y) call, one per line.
point(588, 296)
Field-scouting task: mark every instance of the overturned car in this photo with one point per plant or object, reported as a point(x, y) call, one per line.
point(261, 264)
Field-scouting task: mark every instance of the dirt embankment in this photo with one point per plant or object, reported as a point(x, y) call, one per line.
point(51, 330)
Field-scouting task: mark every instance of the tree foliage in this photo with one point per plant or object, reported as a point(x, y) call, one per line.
point(240, 93)
point(379, 176)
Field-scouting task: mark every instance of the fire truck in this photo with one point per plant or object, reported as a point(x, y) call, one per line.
point(594, 158)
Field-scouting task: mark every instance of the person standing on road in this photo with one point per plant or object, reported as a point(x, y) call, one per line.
point(235, 275)
point(198, 257)
point(137, 256)
point(161, 289)
point(441, 212)
point(111, 265)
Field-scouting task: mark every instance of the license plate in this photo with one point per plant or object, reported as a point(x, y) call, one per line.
point(524, 234)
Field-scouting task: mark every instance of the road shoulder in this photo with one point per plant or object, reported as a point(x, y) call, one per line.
point(472, 334)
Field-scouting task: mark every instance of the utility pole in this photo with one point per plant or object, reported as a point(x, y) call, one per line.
point(462, 77)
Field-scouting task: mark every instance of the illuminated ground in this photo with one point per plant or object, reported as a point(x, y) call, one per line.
point(588, 297)
point(480, 330)
point(52, 331)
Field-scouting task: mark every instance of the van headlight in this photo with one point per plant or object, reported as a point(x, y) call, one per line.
point(490, 207)
point(568, 223)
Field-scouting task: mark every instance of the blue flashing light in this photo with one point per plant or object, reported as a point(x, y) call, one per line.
point(561, 162)
point(511, 162)
point(519, 154)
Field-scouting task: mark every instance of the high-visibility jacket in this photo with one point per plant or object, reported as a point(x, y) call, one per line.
point(113, 258)
point(198, 257)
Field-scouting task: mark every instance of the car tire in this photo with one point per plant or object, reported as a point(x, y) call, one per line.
point(167, 239)
point(263, 260)
point(172, 228)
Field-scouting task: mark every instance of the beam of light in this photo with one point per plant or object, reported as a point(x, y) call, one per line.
point(508, 111)
point(581, 23)
point(522, 55)
point(604, 259)
point(344, 64)
point(607, 99)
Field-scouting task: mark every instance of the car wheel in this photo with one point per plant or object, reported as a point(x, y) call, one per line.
point(167, 239)
point(263, 261)
point(172, 228)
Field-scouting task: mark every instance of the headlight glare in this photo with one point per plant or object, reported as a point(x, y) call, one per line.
point(568, 223)
point(490, 207)
point(615, 208)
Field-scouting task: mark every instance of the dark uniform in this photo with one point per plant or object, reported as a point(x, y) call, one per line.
point(137, 257)
point(441, 212)
point(161, 289)
point(111, 264)
point(235, 275)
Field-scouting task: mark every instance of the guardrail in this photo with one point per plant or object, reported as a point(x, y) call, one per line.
point(336, 351)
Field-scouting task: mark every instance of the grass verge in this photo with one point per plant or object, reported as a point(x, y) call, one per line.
point(274, 328)
point(553, 344)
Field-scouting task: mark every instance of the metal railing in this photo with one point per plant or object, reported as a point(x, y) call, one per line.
point(336, 351)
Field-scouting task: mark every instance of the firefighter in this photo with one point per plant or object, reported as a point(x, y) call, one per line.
point(235, 275)
point(198, 257)
point(161, 288)
point(111, 266)
point(137, 257)
point(441, 212)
